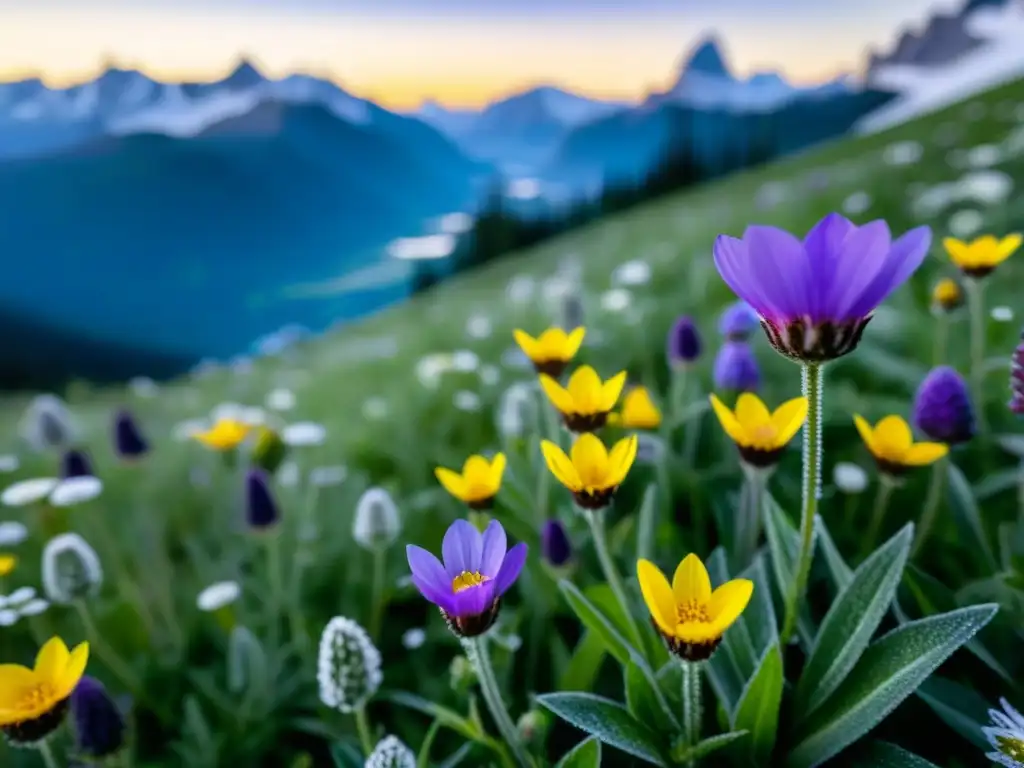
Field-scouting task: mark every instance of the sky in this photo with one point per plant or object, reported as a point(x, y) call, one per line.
point(462, 53)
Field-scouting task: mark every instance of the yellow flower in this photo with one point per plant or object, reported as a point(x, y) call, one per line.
point(946, 295)
point(478, 483)
point(550, 352)
point(225, 435)
point(7, 564)
point(982, 255)
point(590, 471)
point(761, 436)
point(33, 701)
point(586, 402)
point(638, 411)
point(689, 615)
point(893, 446)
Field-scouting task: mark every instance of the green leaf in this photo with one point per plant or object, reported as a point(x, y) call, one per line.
point(882, 754)
point(888, 672)
point(423, 757)
point(759, 617)
point(602, 598)
point(345, 755)
point(758, 709)
point(996, 483)
point(733, 662)
point(583, 667)
point(841, 573)
point(586, 754)
point(965, 508)
point(596, 622)
point(959, 707)
point(607, 721)
point(449, 718)
point(704, 748)
point(645, 702)
point(851, 621)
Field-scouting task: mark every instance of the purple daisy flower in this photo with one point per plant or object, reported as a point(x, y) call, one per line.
point(815, 297)
point(478, 569)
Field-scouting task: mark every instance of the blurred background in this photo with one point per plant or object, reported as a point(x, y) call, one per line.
point(186, 182)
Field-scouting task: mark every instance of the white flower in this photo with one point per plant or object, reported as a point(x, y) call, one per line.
point(377, 522)
point(478, 327)
point(375, 408)
point(1002, 314)
point(288, 474)
point(34, 607)
point(616, 300)
point(143, 386)
point(965, 223)
point(280, 399)
point(218, 595)
point(984, 156)
point(323, 477)
point(465, 360)
point(517, 410)
point(9, 463)
point(390, 752)
point(71, 569)
point(849, 477)
point(304, 433)
point(903, 153)
point(1006, 735)
point(47, 424)
point(430, 368)
point(8, 617)
point(634, 272)
point(520, 289)
point(490, 375)
point(12, 533)
point(253, 415)
point(227, 411)
point(26, 492)
point(414, 638)
point(76, 490)
point(19, 596)
point(348, 666)
point(856, 204)
point(465, 400)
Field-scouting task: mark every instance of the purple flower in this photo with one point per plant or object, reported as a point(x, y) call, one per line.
point(738, 321)
point(1017, 378)
point(555, 544)
point(261, 511)
point(942, 407)
point(75, 463)
point(736, 368)
point(99, 724)
point(683, 345)
point(478, 569)
point(128, 440)
point(815, 297)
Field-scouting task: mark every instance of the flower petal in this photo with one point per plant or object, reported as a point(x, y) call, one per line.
point(959, 251)
point(473, 601)
point(905, 256)
point(610, 391)
point(621, 459)
point(751, 412)
point(585, 389)
point(497, 470)
point(866, 432)
point(863, 256)
point(493, 549)
point(461, 548)
point(510, 569)
point(892, 437)
point(51, 660)
point(779, 264)
point(823, 245)
point(1006, 248)
point(728, 421)
point(74, 669)
point(428, 574)
point(573, 342)
point(691, 581)
point(590, 458)
point(476, 470)
point(14, 681)
point(728, 602)
point(788, 418)
point(531, 348)
point(657, 595)
point(557, 394)
point(920, 454)
point(732, 258)
point(561, 466)
point(452, 481)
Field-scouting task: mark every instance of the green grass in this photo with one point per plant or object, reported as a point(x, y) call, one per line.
point(163, 537)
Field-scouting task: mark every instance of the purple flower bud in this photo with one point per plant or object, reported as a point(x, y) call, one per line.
point(738, 321)
point(555, 544)
point(736, 368)
point(942, 407)
point(1017, 378)
point(129, 444)
point(75, 463)
point(99, 724)
point(684, 345)
point(261, 511)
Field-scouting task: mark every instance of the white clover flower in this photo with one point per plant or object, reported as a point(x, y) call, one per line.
point(965, 223)
point(464, 400)
point(903, 153)
point(1006, 735)
point(26, 492)
point(280, 399)
point(76, 490)
point(377, 523)
point(143, 386)
point(414, 638)
point(304, 433)
point(71, 569)
point(12, 533)
point(348, 665)
point(47, 424)
point(390, 752)
point(218, 595)
point(324, 477)
point(849, 477)
point(288, 474)
point(9, 463)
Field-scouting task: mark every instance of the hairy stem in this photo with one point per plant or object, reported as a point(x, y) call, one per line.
point(611, 574)
point(693, 705)
point(364, 730)
point(43, 747)
point(479, 656)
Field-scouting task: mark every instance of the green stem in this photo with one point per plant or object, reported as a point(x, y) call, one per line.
point(107, 654)
point(1020, 495)
point(941, 336)
point(477, 652)
point(377, 591)
point(976, 302)
point(549, 426)
point(886, 486)
point(677, 399)
point(812, 386)
point(43, 747)
point(753, 498)
point(693, 704)
point(274, 575)
point(365, 732)
point(597, 530)
point(931, 504)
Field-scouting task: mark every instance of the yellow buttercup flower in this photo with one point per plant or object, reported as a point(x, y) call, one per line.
point(7, 564)
point(225, 435)
point(981, 255)
point(586, 402)
point(688, 614)
point(947, 295)
point(478, 483)
point(638, 411)
point(760, 435)
point(550, 352)
point(590, 471)
point(893, 446)
point(33, 702)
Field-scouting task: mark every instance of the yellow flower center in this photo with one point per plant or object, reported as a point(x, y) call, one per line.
point(763, 435)
point(36, 697)
point(692, 611)
point(1011, 747)
point(467, 579)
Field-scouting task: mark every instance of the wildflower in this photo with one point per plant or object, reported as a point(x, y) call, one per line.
point(377, 523)
point(218, 595)
point(555, 545)
point(33, 702)
point(688, 614)
point(947, 296)
point(477, 484)
point(9, 463)
point(33, 607)
point(280, 399)
point(943, 408)
point(849, 477)
point(893, 446)
point(47, 424)
point(26, 492)
point(638, 411)
point(7, 564)
point(324, 477)
point(390, 752)
point(586, 402)
point(75, 463)
point(590, 471)
point(261, 510)
point(550, 352)
point(348, 665)
point(99, 724)
point(478, 569)
point(71, 569)
point(468, 401)
point(304, 433)
point(815, 297)
point(12, 533)
point(129, 442)
point(982, 255)
point(224, 435)
point(683, 346)
point(1017, 379)
point(737, 322)
point(760, 435)
point(1006, 735)
point(414, 638)
point(736, 368)
point(76, 490)
point(269, 451)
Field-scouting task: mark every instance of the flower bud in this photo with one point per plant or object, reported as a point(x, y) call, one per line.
point(736, 368)
point(738, 321)
point(376, 524)
point(391, 753)
point(684, 345)
point(47, 424)
point(261, 510)
point(99, 724)
point(75, 463)
point(947, 296)
point(129, 443)
point(943, 408)
point(461, 674)
point(269, 450)
point(71, 569)
point(348, 666)
point(555, 544)
point(531, 726)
